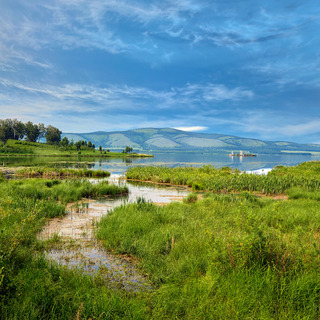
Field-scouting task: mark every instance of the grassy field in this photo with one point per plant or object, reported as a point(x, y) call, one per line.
point(214, 256)
point(23, 148)
point(224, 257)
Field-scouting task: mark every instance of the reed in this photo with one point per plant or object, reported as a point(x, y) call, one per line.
point(208, 178)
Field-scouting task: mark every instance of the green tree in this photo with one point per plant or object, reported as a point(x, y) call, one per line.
point(53, 135)
point(42, 131)
point(18, 129)
point(6, 131)
point(78, 145)
point(64, 142)
point(89, 144)
point(128, 149)
point(32, 131)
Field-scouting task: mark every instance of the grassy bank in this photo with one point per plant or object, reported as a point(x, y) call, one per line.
point(208, 178)
point(31, 287)
point(224, 257)
point(23, 148)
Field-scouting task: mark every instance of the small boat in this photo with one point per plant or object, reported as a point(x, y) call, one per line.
point(241, 154)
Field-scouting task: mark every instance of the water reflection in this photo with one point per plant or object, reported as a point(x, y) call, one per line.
point(196, 159)
point(78, 228)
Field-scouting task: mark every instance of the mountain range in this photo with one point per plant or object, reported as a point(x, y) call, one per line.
point(167, 139)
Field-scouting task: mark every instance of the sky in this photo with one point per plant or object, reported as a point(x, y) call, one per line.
point(248, 68)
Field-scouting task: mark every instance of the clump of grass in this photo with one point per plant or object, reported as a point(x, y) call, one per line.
point(190, 198)
point(43, 172)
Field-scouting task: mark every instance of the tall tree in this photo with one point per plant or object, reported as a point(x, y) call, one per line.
point(53, 135)
point(18, 129)
point(32, 131)
point(42, 131)
point(78, 145)
point(6, 131)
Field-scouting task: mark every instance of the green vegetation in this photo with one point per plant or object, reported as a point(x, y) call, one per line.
point(224, 257)
point(30, 286)
point(208, 178)
point(64, 149)
point(213, 256)
point(61, 173)
point(17, 130)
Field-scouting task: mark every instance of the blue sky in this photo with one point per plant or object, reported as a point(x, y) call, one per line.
point(249, 68)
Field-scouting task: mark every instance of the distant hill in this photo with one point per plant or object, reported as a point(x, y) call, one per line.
point(167, 139)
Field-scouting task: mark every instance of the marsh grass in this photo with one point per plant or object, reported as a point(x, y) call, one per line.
point(227, 256)
point(224, 257)
point(31, 287)
point(208, 178)
point(44, 172)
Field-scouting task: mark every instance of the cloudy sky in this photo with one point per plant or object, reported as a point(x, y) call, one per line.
point(249, 68)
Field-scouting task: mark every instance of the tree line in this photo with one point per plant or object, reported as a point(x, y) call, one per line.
point(17, 130)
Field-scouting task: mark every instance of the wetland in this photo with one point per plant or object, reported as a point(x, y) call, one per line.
point(184, 241)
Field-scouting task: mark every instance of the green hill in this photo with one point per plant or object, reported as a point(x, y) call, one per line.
point(152, 139)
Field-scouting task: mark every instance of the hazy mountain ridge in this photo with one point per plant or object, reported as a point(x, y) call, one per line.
point(152, 139)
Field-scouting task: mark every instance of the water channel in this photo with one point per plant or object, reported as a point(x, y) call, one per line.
point(77, 246)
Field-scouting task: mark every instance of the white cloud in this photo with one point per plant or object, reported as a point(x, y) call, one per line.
point(191, 128)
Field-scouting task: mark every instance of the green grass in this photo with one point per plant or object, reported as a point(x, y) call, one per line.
point(224, 257)
point(23, 148)
point(47, 172)
point(208, 178)
point(30, 286)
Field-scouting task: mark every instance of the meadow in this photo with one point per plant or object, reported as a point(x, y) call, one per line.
point(230, 254)
point(24, 148)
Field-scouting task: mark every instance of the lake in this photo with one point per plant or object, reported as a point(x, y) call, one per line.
point(174, 159)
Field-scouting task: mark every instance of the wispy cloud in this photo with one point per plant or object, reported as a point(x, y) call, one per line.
point(119, 100)
point(176, 96)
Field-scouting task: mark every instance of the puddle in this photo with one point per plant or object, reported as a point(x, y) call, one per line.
point(78, 228)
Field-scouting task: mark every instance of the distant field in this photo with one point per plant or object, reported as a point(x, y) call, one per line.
point(17, 148)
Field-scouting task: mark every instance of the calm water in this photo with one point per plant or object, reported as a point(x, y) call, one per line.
point(119, 166)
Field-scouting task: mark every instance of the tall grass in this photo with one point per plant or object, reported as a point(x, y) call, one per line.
point(31, 287)
point(224, 257)
point(62, 190)
point(208, 178)
point(61, 173)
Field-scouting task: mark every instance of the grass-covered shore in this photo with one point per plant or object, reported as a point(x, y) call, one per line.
point(30, 286)
point(208, 178)
point(34, 149)
point(228, 255)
